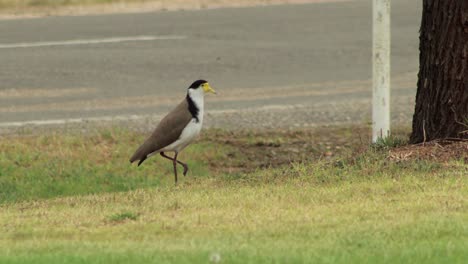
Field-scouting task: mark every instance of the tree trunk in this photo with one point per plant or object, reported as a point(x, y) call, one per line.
point(442, 98)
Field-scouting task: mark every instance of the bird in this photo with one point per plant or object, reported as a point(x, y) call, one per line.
point(177, 129)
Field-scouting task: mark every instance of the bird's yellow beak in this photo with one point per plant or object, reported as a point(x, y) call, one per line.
point(207, 88)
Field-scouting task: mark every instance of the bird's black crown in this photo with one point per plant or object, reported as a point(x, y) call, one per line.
point(197, 84)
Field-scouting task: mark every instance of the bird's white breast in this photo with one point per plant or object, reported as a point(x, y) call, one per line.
point(193, 128)
point(188, 135)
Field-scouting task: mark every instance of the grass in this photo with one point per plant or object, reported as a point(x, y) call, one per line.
point(59, 3)
point(357, 206)
point(123, 216)
point(47, 166)
point(66, 7)
point(389, 143)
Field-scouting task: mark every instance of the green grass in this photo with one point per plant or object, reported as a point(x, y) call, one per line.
point(355, 207)
point(123, 216)
point(389, 143)
point(59, 165)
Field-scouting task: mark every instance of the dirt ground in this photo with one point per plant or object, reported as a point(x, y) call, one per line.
point(251, 150)
point(263, 149)
point(438, 150)
point(255, 150)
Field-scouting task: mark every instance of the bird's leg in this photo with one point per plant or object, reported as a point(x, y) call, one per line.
point(185, 167)
point(175, 167)
point(180, 162)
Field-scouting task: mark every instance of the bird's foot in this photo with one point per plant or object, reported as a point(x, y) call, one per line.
point(185, 170)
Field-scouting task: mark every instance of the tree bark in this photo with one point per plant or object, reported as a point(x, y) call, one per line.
point(442, 97)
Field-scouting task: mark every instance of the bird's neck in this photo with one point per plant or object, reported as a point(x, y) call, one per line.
point(196, 103)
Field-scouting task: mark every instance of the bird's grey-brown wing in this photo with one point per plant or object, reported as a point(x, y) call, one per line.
point(168, 131)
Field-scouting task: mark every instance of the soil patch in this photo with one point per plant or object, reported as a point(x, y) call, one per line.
point(249, 150)
point(440, 151)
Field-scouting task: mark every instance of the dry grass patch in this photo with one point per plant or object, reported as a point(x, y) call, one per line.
point(19, 8)
point(443, 151)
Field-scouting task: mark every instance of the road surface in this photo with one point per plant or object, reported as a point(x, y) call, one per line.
point(287, 65)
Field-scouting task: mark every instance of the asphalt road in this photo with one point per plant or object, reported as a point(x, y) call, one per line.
point(303, 65)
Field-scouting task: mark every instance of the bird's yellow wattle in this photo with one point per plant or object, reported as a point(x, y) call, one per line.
point(207, 88)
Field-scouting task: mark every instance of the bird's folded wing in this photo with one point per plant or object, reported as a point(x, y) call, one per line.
point(168, 131)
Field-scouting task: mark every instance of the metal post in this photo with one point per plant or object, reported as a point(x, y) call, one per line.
point(381, 69)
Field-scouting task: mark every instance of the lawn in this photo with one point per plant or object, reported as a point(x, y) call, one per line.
point(250, 197)
point(67, 7)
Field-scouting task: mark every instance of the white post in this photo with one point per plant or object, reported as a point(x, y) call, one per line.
point(381, 69)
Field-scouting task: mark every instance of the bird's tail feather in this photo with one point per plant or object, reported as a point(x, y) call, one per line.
point(142, 153)
point(141, 161)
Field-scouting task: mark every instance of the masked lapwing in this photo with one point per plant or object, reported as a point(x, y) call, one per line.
point(177, 129)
